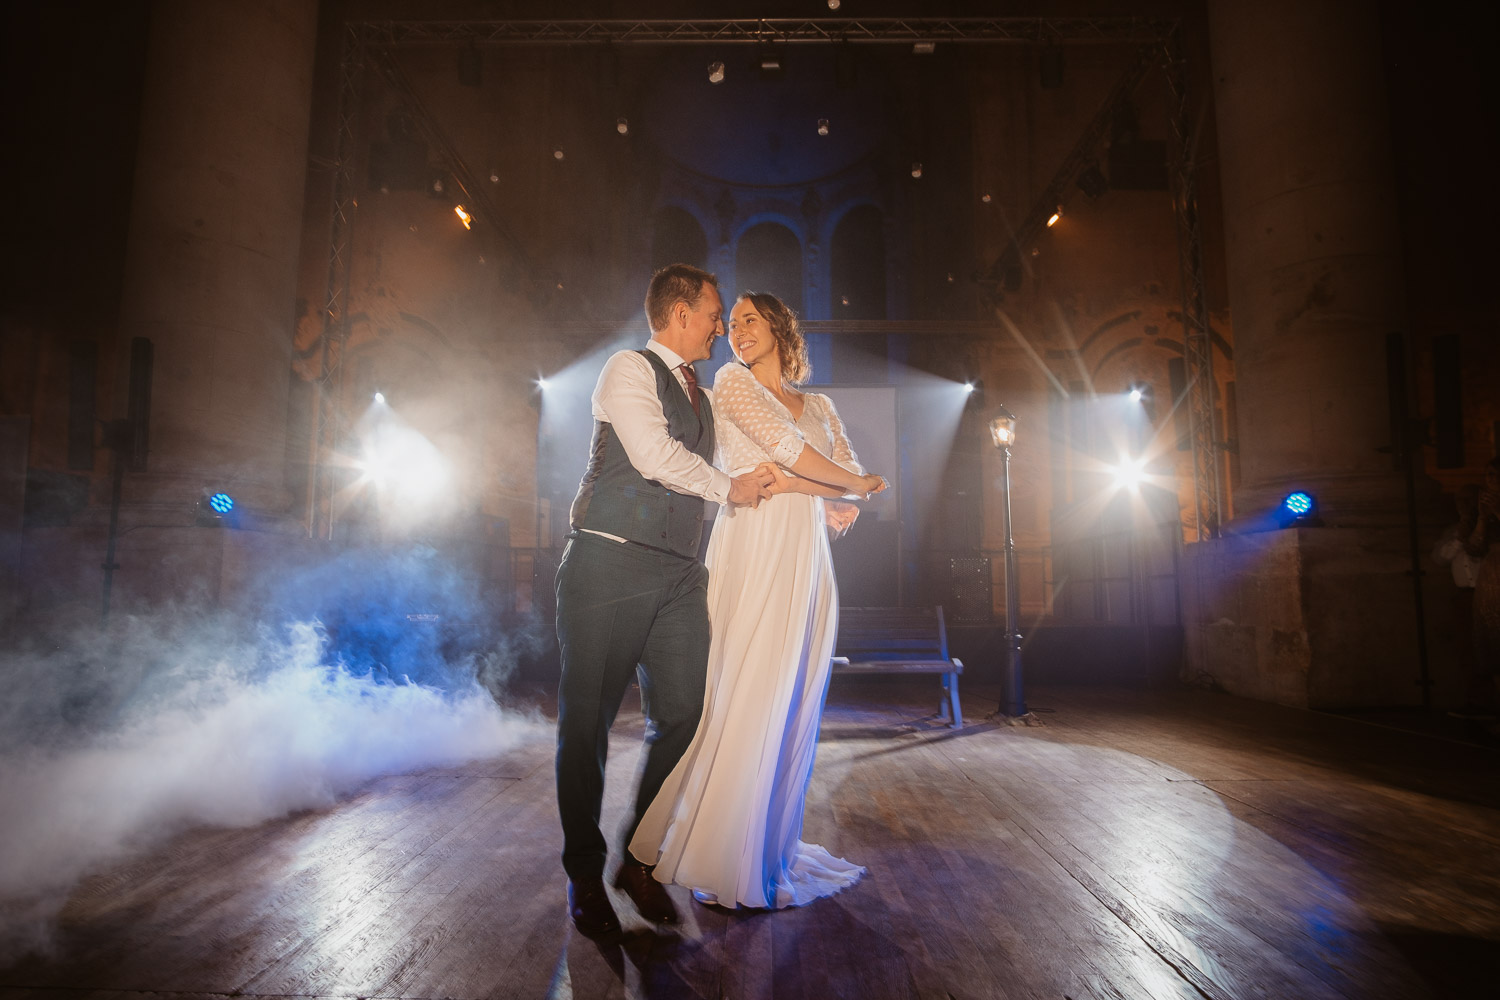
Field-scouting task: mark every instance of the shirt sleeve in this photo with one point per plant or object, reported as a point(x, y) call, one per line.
point(740, 399)
point(626, 399)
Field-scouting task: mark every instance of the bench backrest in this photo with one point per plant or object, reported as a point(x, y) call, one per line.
point(868, 634)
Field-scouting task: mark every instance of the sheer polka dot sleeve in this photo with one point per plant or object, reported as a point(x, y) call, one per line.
point(843, 453)
point(755, 413)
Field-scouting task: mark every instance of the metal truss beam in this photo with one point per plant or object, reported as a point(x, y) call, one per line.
point(1156, 36)
point(321, 500)
point(784, 31)
point(1197, 344)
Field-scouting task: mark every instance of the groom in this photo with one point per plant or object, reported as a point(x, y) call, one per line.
point(630, 590)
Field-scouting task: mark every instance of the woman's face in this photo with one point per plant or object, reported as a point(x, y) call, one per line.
point(750, 335)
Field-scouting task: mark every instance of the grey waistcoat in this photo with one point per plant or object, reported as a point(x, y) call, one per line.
point(616, 499)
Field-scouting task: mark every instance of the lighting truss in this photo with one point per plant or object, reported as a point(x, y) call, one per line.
point(321, 505)
point(782, 31)
point(1160, 40)
point(1198, 350)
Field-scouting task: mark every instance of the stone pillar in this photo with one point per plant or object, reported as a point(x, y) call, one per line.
point(211, 258)
point(1313, 248)
point(1317, 616)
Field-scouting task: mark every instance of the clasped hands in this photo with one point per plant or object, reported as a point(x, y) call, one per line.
point(768, 479)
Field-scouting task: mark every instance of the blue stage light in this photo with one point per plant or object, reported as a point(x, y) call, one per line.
point(1297, 508)
point(1297, 504)
point(222, 503)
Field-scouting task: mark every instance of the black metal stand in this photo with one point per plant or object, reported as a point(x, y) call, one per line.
point(1012, 709)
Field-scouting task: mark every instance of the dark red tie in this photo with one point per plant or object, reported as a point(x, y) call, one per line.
point(692, 385)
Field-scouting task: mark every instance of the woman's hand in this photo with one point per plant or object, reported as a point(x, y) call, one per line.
point(839, 516)
point(872, 484)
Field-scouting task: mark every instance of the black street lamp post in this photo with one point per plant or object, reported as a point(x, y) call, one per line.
point(1013, 698)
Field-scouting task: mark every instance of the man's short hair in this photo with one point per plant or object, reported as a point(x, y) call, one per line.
point(674, 283)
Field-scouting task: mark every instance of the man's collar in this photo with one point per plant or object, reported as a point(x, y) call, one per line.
point(665, 353)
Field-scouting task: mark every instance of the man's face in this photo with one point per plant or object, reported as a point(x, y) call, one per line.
point(704, 325)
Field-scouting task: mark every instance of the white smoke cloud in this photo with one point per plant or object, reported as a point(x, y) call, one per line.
point(107, 751)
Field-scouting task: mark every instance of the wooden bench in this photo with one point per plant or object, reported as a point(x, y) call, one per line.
point(899, 641)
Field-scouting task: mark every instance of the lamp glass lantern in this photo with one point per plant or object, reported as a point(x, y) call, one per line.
point(1003, 429)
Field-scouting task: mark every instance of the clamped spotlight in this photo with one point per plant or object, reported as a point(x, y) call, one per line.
point(1297, 508)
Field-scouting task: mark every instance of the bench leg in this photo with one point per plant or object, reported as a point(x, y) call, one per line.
point(949, 709)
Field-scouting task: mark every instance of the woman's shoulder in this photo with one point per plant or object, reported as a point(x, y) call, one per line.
point(820, 400)
point(735, 377)
point(733, 374)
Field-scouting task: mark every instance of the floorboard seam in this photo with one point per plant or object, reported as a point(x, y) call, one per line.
point(1175, 960)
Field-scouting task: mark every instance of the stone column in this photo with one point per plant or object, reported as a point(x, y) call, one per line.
point(1313, 248)
point(1310, 616)
point(211, 258)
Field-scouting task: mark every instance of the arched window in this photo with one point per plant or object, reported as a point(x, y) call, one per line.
point(678, 239)
point(857, 266)
point(769, 259)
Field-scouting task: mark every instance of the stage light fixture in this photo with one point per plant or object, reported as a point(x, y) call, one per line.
point(843, 300)
point(557, 154)
point(985, 198)
point(1052, 221)
point(822, 126)
point(464, 216)
point(437, 186)
point(221, 503)
point(770, 60)
point(916, 170)
point(968, 388)
point(1298, 508)
point(622, 126)
point(494, 175)
point(380, 398)
point(542, 384)
point(715, 72)
point(923, 48)
point(1136, 394)
point(833, 4)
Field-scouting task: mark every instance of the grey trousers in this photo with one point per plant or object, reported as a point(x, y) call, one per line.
point(623, 610)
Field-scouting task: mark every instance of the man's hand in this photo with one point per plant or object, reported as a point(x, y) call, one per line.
point(779, 481)
point(839, 516)
point(751, 488)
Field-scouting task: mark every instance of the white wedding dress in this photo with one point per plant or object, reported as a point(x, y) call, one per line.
point(728, 820)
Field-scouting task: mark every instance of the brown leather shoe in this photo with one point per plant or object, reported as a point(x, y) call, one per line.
point(649, 896)
point(588, 905)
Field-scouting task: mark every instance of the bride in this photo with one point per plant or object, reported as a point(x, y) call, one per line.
point(727, 822)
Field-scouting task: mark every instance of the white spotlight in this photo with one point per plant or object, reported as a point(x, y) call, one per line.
point(1135, 395)
point(557, 154)
point(622, 125)
point(715, 72)
point(542, 384)
point(833, 4)
point(968, 387)
point(380, 397)
point(1129, 473)
point(822, 126)
point(916, 170)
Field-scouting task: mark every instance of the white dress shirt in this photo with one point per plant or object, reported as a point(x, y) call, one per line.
point(625, 398)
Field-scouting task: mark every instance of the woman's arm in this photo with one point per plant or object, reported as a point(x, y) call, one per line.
point(813, 464)
point(843, 467)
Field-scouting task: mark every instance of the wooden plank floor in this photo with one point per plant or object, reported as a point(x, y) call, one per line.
point(1141, 845)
